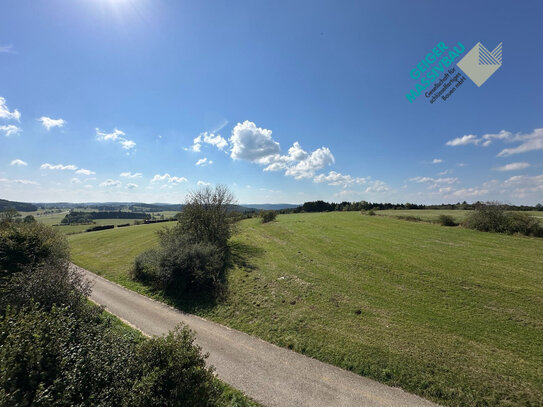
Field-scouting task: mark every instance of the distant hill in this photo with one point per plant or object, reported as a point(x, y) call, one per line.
point(270, 206)
point(18, 206)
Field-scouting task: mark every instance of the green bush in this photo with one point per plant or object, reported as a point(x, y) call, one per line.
point(267, 216)
point(30, 245)
point(146, 266)
point(173, 373)
point(371, 212)
point(492, 217)
point(446, 220)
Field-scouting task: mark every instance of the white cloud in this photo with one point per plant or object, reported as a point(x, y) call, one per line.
point(10, 130)
point(203, 184)
point(252, 143)
point(5, 113)
point(49, 123)
point(8, 49)
point(62, 167)
point(75, 181)
point(420, 180)
point(167, 177)
point(377, 186)
point(110, 183)
point(317, 160)
point(131, 175)
point(469, 192)
point(337, 179)
point(117, 136)
point(445, 172)
point(462, 141)
point(18, 162)
point(18, 181)
point(528, 142)
point(203, 162)
point(131, 185)
point(83, 171)
point(437, 161)
point(523, 185)
point(513, 167)
point(208, 138)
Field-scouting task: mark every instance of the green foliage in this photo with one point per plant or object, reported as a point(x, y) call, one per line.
point(173, 373)
point(204, 218)
point(371, 212)
point(267, 216)
point(30, 245)
point(446, 220)
point(191, 256)
point(492, 217)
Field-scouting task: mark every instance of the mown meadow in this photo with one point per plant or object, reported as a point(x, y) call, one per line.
point(451, 314)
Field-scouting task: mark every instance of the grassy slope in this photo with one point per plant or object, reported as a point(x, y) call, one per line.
point(433, 214)
point(448, 313)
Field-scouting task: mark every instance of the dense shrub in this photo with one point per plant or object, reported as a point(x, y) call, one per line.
point(446, 220)
point(268, 216)
point(51, 358)
point(30, 245)
point(192, 255)
point(492, 217)
point(173, 373)
point(371, 212)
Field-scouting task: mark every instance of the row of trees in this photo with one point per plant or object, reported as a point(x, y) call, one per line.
point(58, 349)
point(322, 206)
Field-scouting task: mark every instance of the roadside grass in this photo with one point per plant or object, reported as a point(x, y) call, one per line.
point(451, 314)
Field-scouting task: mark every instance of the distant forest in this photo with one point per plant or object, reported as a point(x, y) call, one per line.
point(322, 206)
point(18, 206)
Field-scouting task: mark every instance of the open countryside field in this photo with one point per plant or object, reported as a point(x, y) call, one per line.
point(448, 313)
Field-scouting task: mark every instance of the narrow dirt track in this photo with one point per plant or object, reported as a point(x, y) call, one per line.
point(269, 374)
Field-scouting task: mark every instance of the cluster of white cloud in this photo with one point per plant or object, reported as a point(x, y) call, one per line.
point(49, 123)
point(437, 161)
point(435, 181)
point(131, 175)
point(202, 162)
point(116, 136)
point(69, 167)
point(61, 167)
point(203, 184)
point(18, 162)
point(110, 183)
point(18, 181)
point(513, 167)
point(10, 130)
point(527, 142)
point(208, 138)
point(168, 178)
point(5, 114)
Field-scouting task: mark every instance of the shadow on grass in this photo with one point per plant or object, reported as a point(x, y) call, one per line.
point(239, 255)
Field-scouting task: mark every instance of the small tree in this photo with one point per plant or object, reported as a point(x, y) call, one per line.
point(204, 216)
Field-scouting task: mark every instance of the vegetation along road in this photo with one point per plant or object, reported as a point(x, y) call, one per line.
point(271, 375)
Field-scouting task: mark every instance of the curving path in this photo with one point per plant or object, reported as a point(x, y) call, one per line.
point(271, 375)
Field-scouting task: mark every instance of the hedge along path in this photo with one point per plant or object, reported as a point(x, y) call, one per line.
point(271, 375)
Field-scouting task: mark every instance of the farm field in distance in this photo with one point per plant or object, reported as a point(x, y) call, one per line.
point(433, 214)
point(451, 314)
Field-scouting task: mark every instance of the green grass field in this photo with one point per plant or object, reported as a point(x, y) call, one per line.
point(433, 214)
point(452, 314)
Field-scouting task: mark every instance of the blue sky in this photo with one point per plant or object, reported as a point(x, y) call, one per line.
point(122, 100)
